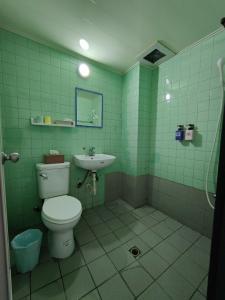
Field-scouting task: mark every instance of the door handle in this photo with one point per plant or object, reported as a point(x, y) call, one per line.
point(14, 157)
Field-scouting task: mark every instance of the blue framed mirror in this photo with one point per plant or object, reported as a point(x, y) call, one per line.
point(89, 108)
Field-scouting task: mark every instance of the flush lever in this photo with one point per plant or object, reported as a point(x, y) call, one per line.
point(43, 175)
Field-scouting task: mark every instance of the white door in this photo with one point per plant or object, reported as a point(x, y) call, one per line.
point(5, 270)
point(5, 273)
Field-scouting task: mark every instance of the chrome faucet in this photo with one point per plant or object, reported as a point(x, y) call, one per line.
point(91, 151)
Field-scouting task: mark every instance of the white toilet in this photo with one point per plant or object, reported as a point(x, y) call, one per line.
point(60, 212)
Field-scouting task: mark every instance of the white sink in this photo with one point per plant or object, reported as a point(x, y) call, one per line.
point(93, 163)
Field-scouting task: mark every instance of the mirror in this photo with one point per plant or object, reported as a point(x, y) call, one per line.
point(89, 108)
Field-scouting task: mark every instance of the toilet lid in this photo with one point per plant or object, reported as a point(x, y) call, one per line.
point(62, 208)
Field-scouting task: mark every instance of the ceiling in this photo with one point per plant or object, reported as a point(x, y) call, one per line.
point(117, 30)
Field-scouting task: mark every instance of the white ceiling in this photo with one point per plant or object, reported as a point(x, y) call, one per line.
point(117, 30)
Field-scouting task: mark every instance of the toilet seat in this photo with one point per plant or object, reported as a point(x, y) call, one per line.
point(62, 209)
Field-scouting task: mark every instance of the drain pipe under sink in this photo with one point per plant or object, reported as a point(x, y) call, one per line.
point(94, 183)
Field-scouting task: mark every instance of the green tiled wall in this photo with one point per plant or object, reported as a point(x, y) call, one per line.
point(130, 106)
point(37, 80)
point(192, 80)
point(139, 124)
point(138, 88)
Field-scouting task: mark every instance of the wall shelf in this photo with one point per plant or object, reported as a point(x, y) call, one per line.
point(72, 125)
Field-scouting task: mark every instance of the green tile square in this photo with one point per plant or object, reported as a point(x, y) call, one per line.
point(127, 218)
point(44, 274)
point(114, 224)
point(190, 271)
point(148, 221)
point(137, 227)
point(93, 219)
point(20, 286)
point(84, 236)
point(109, 242)
point(121, 257)
point(162, 230)
point(167, 252)
point(136, 278)
point(94, 295)
point(203, 286)
point(175, 285)
point(124, 234)
point(178, 242)
point(52, 291)
point(150, 238)
point(198, 296)
point(115, 288)
point(154, 292)
point(101, 269)
point(101, 229)
point(153, 263)
point(92, 251)
point(172, 224)
point(78, 283)
point(71, 263)
point(188, 234)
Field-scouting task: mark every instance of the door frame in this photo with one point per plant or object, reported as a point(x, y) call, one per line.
point(216, 285)
point(6, 279)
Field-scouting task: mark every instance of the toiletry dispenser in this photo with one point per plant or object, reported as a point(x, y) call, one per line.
point(180, 133)
point(189, 132)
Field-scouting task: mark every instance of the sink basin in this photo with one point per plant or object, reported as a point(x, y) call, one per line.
point(93, 163)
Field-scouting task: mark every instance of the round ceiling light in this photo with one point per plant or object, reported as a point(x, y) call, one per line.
point(84, 44)
point(84, 70)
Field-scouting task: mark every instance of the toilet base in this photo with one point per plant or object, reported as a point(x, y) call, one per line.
point(61, 244)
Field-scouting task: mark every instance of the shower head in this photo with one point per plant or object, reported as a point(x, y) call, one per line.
point(220, 64)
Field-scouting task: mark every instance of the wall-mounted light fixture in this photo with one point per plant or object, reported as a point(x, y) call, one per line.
point(84, 44)
point(84, 70)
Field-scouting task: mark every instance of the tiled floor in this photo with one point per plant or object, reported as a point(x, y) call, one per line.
point(173, 262)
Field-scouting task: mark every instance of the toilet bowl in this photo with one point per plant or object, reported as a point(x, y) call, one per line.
point(60, 212)
point(60, 215)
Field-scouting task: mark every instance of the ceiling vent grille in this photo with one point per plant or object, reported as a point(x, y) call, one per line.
point(156, 54)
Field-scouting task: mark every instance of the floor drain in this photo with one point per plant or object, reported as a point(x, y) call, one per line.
point(135, 251)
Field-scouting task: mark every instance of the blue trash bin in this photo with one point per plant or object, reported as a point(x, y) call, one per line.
point(26, 247)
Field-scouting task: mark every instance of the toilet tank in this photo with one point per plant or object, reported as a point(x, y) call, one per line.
point(53, 179)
